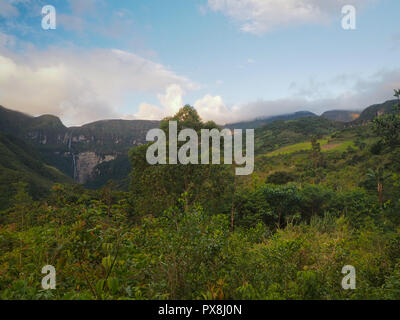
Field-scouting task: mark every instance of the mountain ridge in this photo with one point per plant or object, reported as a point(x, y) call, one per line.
point(76, 151)
point(20, 161)
point(93, 152)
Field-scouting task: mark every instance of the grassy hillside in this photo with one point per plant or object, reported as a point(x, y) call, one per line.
point(348, 155)
point(375, 110)
point(285, 232)
point(21, 162)
point(284, 133)
point(341, 115)
point(327, 145)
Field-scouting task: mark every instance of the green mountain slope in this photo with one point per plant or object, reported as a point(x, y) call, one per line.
point(375, 110)
point(77, 151)
point(264, 121)
point(341, 115)
point(21, 162)
point(283, 133)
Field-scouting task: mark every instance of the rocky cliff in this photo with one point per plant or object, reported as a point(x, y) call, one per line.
point(76, 151)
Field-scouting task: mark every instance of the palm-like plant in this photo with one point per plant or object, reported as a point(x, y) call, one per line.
point(379, 176)
point(397, 93)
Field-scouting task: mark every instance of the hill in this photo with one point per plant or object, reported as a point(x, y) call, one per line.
point(77, 151)
point(283, 133)
point(341, 115)
point(96, 152)
point(21, 162)
point(285, 232)
point(264, 121)
point(375, 110)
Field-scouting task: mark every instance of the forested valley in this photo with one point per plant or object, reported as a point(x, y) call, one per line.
point(324, 194)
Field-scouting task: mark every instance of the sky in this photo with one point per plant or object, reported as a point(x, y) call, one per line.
point(233, 60)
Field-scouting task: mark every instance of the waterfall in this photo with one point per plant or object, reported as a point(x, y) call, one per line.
point(69, 142)
point(73, 157)
point(74, 164)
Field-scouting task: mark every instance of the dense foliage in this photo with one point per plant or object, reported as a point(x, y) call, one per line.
point(21, 162)
point(199, 232)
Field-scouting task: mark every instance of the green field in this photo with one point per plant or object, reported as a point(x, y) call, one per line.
point(326, 145)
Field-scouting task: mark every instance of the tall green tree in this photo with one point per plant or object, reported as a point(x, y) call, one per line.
point(378, 176)
point(155, 188)
point(387, 127)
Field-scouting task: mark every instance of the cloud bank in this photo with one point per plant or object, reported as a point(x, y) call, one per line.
point(78, 85)
point(362, 93)
point(260, 16)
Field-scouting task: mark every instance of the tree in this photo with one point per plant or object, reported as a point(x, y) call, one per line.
point(154, 188)
point(281, 177)
point(273, 203)
point(316, 154)
point(315, 199)
point(387, 127)
point(379, 177)
point(21, 201)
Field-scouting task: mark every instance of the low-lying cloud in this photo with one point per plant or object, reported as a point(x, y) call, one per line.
point(260, 16)
point(79, 85)
point(361, 93)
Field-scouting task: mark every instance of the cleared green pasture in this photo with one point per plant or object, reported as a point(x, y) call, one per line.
point(304, 146)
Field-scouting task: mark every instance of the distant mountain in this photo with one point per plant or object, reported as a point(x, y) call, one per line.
point(96, 152)
point(282, 133)
point(264, 121)
point(19, 161)
point(76, 151)
point(341, 115)
point(374, 111)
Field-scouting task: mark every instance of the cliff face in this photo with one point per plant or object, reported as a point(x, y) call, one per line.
point(86, 162)
point(341, 115)
point(76, 151)
point(375, 110)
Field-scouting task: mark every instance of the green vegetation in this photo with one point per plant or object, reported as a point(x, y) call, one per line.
point(323, 195)
point(326, 145)
point(21, 162)
point(341, 115)
point(58, 144)
point(285, 133)
point(255, 124)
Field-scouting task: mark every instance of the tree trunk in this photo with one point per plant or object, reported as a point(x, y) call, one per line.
point(380, 193)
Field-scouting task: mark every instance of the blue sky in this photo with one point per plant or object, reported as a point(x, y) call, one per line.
point(232, 59)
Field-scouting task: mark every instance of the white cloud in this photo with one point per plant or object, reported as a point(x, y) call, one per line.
point(170, 102)
point(209, 107)
point(215, 109)
point(86, 85)
point(80, 85)
point(148, 112)
point(260, 16)
point(361, 93)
